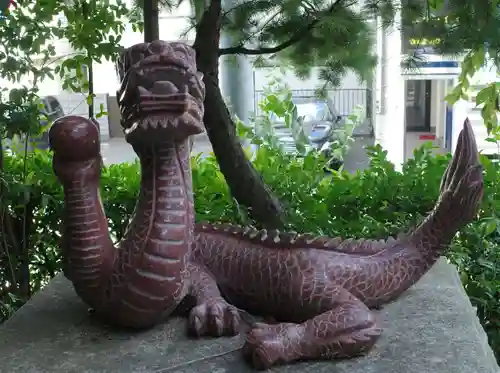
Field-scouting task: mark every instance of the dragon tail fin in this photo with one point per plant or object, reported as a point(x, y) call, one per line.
point(462, 185)
point(461, 192)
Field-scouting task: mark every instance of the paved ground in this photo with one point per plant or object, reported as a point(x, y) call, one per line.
point(356, 158)
point(117, 150)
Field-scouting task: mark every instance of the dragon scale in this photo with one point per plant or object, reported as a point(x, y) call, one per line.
point(321, 291)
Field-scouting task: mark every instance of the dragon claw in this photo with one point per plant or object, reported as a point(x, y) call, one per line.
point(214, 319)
point(257, 357)
point(266, 344)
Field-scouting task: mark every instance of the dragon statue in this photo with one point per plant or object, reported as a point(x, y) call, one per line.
point(320, 291)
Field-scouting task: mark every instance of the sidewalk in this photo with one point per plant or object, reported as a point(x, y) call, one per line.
point(117, 150)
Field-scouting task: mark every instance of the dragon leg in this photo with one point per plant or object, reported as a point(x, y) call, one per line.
point(211, 315)
point(347, 329)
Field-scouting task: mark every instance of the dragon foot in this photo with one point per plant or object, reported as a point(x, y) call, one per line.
point(214, 318)
point(269, 345)
point(347, 331)
point(212, 315)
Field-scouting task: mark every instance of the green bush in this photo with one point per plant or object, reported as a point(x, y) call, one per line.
point(374, 203)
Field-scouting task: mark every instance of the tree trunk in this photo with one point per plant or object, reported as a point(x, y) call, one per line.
point(246, 185)
point(151, 21)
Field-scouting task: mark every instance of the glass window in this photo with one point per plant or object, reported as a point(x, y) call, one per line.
point(417, 105)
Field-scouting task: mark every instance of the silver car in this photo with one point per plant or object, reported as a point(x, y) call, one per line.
point(319, 120)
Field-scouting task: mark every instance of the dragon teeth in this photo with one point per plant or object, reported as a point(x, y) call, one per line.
point(148, 123)
point(157, 122)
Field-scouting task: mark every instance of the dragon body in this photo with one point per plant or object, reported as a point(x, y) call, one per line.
point(320, 290)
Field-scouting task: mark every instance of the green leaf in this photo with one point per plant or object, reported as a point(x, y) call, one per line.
point(90, 99)
point(484, 94)
point(490, 226)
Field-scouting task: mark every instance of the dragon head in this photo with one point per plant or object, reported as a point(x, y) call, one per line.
point(161, 94)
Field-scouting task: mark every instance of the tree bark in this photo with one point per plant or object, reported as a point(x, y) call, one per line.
point(246, 185)
point(151, 21)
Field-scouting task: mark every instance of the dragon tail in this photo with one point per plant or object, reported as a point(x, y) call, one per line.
point(461, 192)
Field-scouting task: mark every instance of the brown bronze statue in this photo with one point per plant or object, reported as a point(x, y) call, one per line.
point(320, 290)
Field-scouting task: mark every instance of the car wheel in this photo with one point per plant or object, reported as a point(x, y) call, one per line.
point(335, 164)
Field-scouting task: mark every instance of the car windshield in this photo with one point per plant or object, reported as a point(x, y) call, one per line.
point(310, 111)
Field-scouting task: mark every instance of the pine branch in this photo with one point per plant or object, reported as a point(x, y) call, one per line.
point(296, 37)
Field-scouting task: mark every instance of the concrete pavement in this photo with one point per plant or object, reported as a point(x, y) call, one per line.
point(117, 150)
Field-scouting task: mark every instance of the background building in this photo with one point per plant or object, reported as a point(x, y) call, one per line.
point(403, 107)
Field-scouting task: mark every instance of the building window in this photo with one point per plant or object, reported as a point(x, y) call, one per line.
point(418, 105)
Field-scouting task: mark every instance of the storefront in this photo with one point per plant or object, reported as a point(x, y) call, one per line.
point(428, 117)
point(409, 98)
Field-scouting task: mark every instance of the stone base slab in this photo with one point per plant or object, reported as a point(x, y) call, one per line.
point(432, 329)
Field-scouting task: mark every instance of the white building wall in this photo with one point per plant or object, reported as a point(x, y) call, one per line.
point(389, 95)
point(262, 77)
point(173, 27)
point(390, 115)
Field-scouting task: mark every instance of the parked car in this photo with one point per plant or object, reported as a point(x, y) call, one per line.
point(320, 119)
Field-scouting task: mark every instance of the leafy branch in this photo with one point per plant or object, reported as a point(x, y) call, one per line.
point(296, 37)
point(29, 54)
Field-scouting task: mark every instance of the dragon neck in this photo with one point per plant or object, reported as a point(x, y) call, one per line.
point(144, 279)
point(87, 247)
point(151, 266)
point(165, 197)
point(436, 232)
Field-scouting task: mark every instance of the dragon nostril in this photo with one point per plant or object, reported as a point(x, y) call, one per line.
point(74, 138)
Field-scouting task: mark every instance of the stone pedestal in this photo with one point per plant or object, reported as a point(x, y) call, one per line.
point(432, 329)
